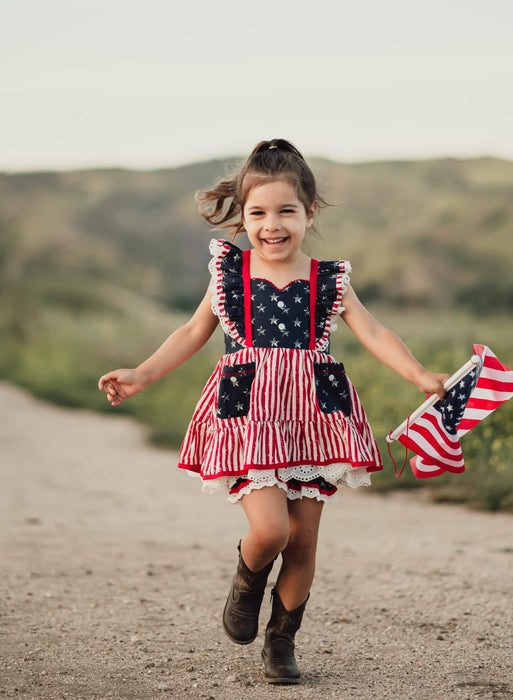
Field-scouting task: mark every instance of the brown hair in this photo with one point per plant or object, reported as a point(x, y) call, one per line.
point(278, 159)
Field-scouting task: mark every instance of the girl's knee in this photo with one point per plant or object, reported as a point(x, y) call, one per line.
point(271, 537)
point(302, 542)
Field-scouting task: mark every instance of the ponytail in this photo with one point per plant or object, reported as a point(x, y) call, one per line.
point(277, 159)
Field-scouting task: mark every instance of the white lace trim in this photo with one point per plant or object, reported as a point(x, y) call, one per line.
point(292, 494)
point(218, 310)
point(343, 280)
point(219, 249)
point(336, 474)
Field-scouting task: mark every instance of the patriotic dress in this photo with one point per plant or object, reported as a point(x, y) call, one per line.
point(278, 408)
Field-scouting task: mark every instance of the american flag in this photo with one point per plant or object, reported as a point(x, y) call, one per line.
point(434, 433)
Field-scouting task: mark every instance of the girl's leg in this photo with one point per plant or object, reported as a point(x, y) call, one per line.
point(298, 566)
point(291, 592)
point(268, 516)
point(267, 513)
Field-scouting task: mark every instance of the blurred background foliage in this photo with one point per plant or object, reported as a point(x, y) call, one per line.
point(98, 267)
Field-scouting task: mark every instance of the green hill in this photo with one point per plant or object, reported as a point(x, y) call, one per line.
point(434, 233)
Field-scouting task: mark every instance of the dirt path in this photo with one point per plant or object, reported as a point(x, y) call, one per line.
point(115, 569)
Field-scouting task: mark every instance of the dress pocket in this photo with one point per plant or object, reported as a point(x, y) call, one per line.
point(332, 387)
point(234, 394)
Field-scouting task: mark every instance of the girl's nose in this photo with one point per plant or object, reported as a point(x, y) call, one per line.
point(272, 223)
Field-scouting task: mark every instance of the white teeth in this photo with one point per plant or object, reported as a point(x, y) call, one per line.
point(274, 241)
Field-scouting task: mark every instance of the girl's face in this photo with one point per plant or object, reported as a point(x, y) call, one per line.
point(276, 221)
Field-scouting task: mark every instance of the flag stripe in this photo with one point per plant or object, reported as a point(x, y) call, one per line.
point(481, 392)
point(422, 470)
point(492, 384)
point(435, 421)
point(488, 405)
point(466, 425)
point(492, 362)
point(425, 448)
point(476, 414)
point(421, 441)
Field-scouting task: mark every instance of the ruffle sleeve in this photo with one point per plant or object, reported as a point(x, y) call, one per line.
point(227, 287)
point(332, 283)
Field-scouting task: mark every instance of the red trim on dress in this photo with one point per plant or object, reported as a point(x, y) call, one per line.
point(246, 278)
point(313, 296)
point(369, 465)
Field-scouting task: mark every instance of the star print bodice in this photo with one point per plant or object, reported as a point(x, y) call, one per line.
point(255, 313)
point(280, 317)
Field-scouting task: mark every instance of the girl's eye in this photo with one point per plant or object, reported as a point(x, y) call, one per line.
point(257, 212)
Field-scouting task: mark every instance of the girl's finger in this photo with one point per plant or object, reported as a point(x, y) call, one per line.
point(102, 384)
point(107, 385)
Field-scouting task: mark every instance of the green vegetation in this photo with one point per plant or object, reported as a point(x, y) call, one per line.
point(98, 267)
point(442, 342)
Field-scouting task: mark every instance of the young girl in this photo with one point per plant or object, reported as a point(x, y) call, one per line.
point(278, 425)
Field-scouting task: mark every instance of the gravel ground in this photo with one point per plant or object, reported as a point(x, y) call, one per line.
point(115, 569)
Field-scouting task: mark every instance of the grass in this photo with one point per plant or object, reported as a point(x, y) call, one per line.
point(58, 351)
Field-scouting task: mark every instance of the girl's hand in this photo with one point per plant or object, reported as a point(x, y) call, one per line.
point(120, 385)
point(432, 383)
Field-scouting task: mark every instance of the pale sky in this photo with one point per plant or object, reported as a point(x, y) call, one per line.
point(157, 83)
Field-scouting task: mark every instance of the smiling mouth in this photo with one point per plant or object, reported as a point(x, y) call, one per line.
point(274, 241)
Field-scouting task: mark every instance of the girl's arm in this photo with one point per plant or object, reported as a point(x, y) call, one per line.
point(121, 384)
point(388, 347)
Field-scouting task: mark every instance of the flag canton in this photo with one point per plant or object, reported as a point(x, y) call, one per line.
point(452, 407)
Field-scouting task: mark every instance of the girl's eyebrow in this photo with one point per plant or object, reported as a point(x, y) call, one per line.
point(281, 206)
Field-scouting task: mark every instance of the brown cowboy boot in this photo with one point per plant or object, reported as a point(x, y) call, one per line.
point(240, 616)
point(278, 652)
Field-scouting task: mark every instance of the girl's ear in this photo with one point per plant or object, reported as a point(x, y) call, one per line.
point(311, 214)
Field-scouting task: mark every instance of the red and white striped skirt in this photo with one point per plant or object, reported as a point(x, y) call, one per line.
point(268, 409)
point(278, 408)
